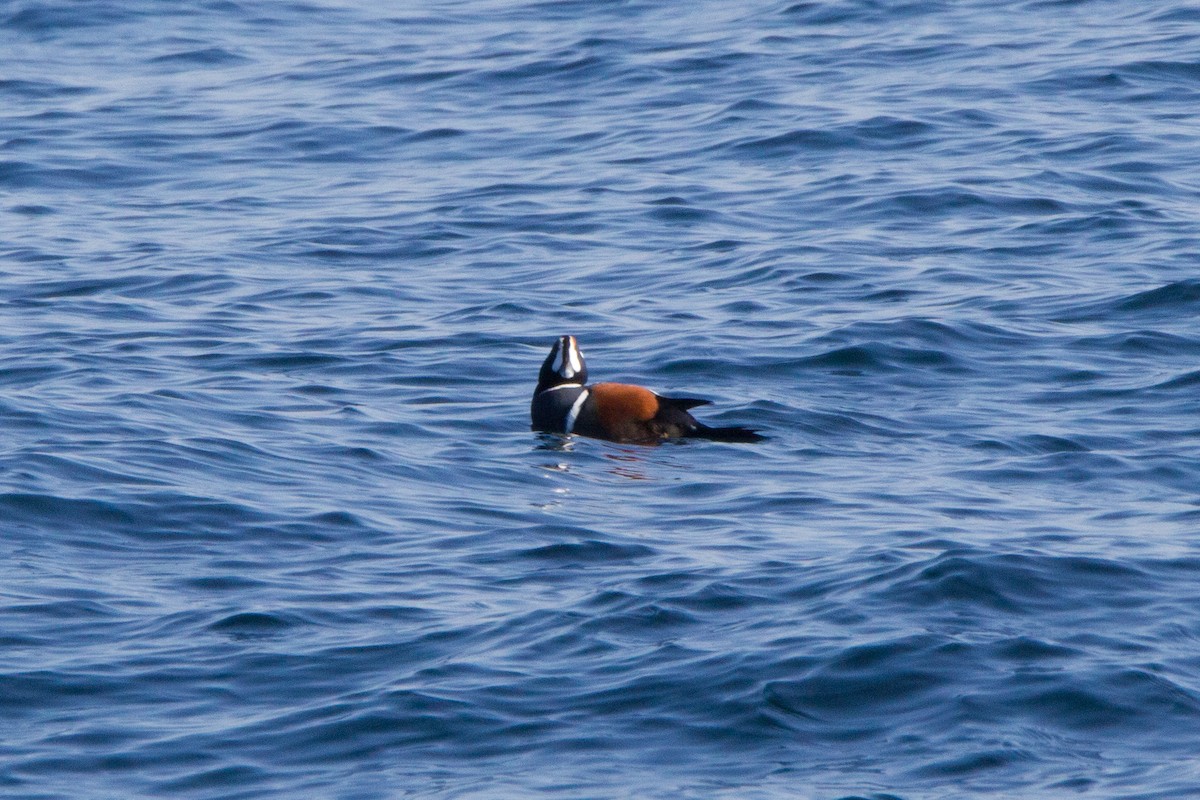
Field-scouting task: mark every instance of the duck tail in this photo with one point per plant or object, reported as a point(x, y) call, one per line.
point(730, 434)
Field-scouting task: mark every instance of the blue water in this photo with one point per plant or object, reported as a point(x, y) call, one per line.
point(275, 283)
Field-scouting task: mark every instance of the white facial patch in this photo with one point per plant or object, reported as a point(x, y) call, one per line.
point(569, 365)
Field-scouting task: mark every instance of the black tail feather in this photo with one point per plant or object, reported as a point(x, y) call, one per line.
point(730, 434)
point(683, 403)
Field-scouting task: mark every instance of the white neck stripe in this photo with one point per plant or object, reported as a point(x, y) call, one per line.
point(573, 414)
point(562, 386)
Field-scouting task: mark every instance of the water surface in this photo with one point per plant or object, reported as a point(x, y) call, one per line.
point(275, 283)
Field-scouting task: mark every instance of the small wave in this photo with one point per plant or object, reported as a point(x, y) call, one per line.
point(569, 66)
point(869, 684)
point(1016, 584)
point(71, 512)
point(1094, 701)
point(1164, 302)
point(1177, 72)
point(876, 357)
point(1182, 295)
point(972, 763)
point(1185, 381)
point(1140, 343)
point(435, 134)
point(37, 89)
point(253, 624)
point(587, 552)
point(874, 133)
point(956, 201)
point(98, 173)
point(200, 57)
point(47, 18)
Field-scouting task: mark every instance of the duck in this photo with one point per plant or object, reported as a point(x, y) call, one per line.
point(564, 402)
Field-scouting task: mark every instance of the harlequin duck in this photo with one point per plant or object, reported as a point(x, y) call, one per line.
point(564, 403)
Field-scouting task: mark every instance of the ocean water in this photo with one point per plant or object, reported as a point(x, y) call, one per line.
point(275, 283)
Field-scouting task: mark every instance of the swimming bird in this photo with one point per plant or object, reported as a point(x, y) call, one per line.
point(564, 402)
